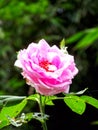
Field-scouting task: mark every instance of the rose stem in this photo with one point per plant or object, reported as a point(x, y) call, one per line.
point(42, 110)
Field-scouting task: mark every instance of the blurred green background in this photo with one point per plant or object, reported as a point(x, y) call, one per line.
point(26, 21)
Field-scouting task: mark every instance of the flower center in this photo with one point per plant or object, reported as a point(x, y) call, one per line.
point(47, 66)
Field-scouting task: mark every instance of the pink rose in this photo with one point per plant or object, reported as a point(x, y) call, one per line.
point(46, 68)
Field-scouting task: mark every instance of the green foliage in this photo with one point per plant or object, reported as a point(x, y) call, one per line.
point(47, 100)
point(22, 22)
point(94, 123)
point(78, 103)
point(62, 44)
point(75, 103)
point(84, 38)
point(9, 9)
point(90, 100)
point(10, 110)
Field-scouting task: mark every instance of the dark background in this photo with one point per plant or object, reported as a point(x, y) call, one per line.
point(26, 21)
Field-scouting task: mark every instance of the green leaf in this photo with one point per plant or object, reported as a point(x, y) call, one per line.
point(87, 40)
point(29, 116)
point(34, 97)
point(84, 38)
point(62, 44)
point(75, 37)
point(10, 110)
point(49, 100)
point(94, 122)
point(75, 103)
point(90, 100)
